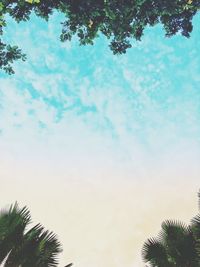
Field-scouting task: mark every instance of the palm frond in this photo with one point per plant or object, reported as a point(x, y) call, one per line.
point(195, 227)
point(154, 252)
point(39, 248)
point(20, 248)
point(13, 223)
point(48, 247)
point(179, 242)
point(195, 222)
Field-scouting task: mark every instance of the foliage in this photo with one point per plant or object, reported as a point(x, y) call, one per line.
point(176, 245)
point(20, 247)
point(118, 20)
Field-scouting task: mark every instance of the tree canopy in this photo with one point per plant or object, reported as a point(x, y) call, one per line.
point(176, 245)
point(119, 20)
point(22, 247)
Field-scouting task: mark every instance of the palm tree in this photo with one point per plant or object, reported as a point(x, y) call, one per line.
point(20, 247)
point(177, 245)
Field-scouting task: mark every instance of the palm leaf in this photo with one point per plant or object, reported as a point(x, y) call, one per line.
point(12, 226)
point(195, 226)
point(179, 242)
point(38, 249)
point(20, 248)
point(154, 252)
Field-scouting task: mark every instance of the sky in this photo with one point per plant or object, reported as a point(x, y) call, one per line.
point(101, 148)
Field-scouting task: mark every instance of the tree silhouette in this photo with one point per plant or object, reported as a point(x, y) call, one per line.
point(119, 20)
point(20, 247)
point(176, 245)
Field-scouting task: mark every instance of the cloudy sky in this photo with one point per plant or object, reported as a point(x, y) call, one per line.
point(101, 148)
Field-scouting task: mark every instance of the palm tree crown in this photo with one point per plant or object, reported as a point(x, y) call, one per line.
point(20, 247)
point(177, 245)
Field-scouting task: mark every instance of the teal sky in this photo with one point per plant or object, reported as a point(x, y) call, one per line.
point(149, 93)
point(79, 117)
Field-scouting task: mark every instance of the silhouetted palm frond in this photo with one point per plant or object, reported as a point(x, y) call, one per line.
point(154, 252)
point(33, 248)
point(12, 226)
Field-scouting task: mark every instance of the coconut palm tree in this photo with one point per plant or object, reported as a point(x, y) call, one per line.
point(177, 245)
point(20, 247)
point(174, 246)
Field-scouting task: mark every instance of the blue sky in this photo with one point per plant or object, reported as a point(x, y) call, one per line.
point(102, 125)
point(151, 90)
